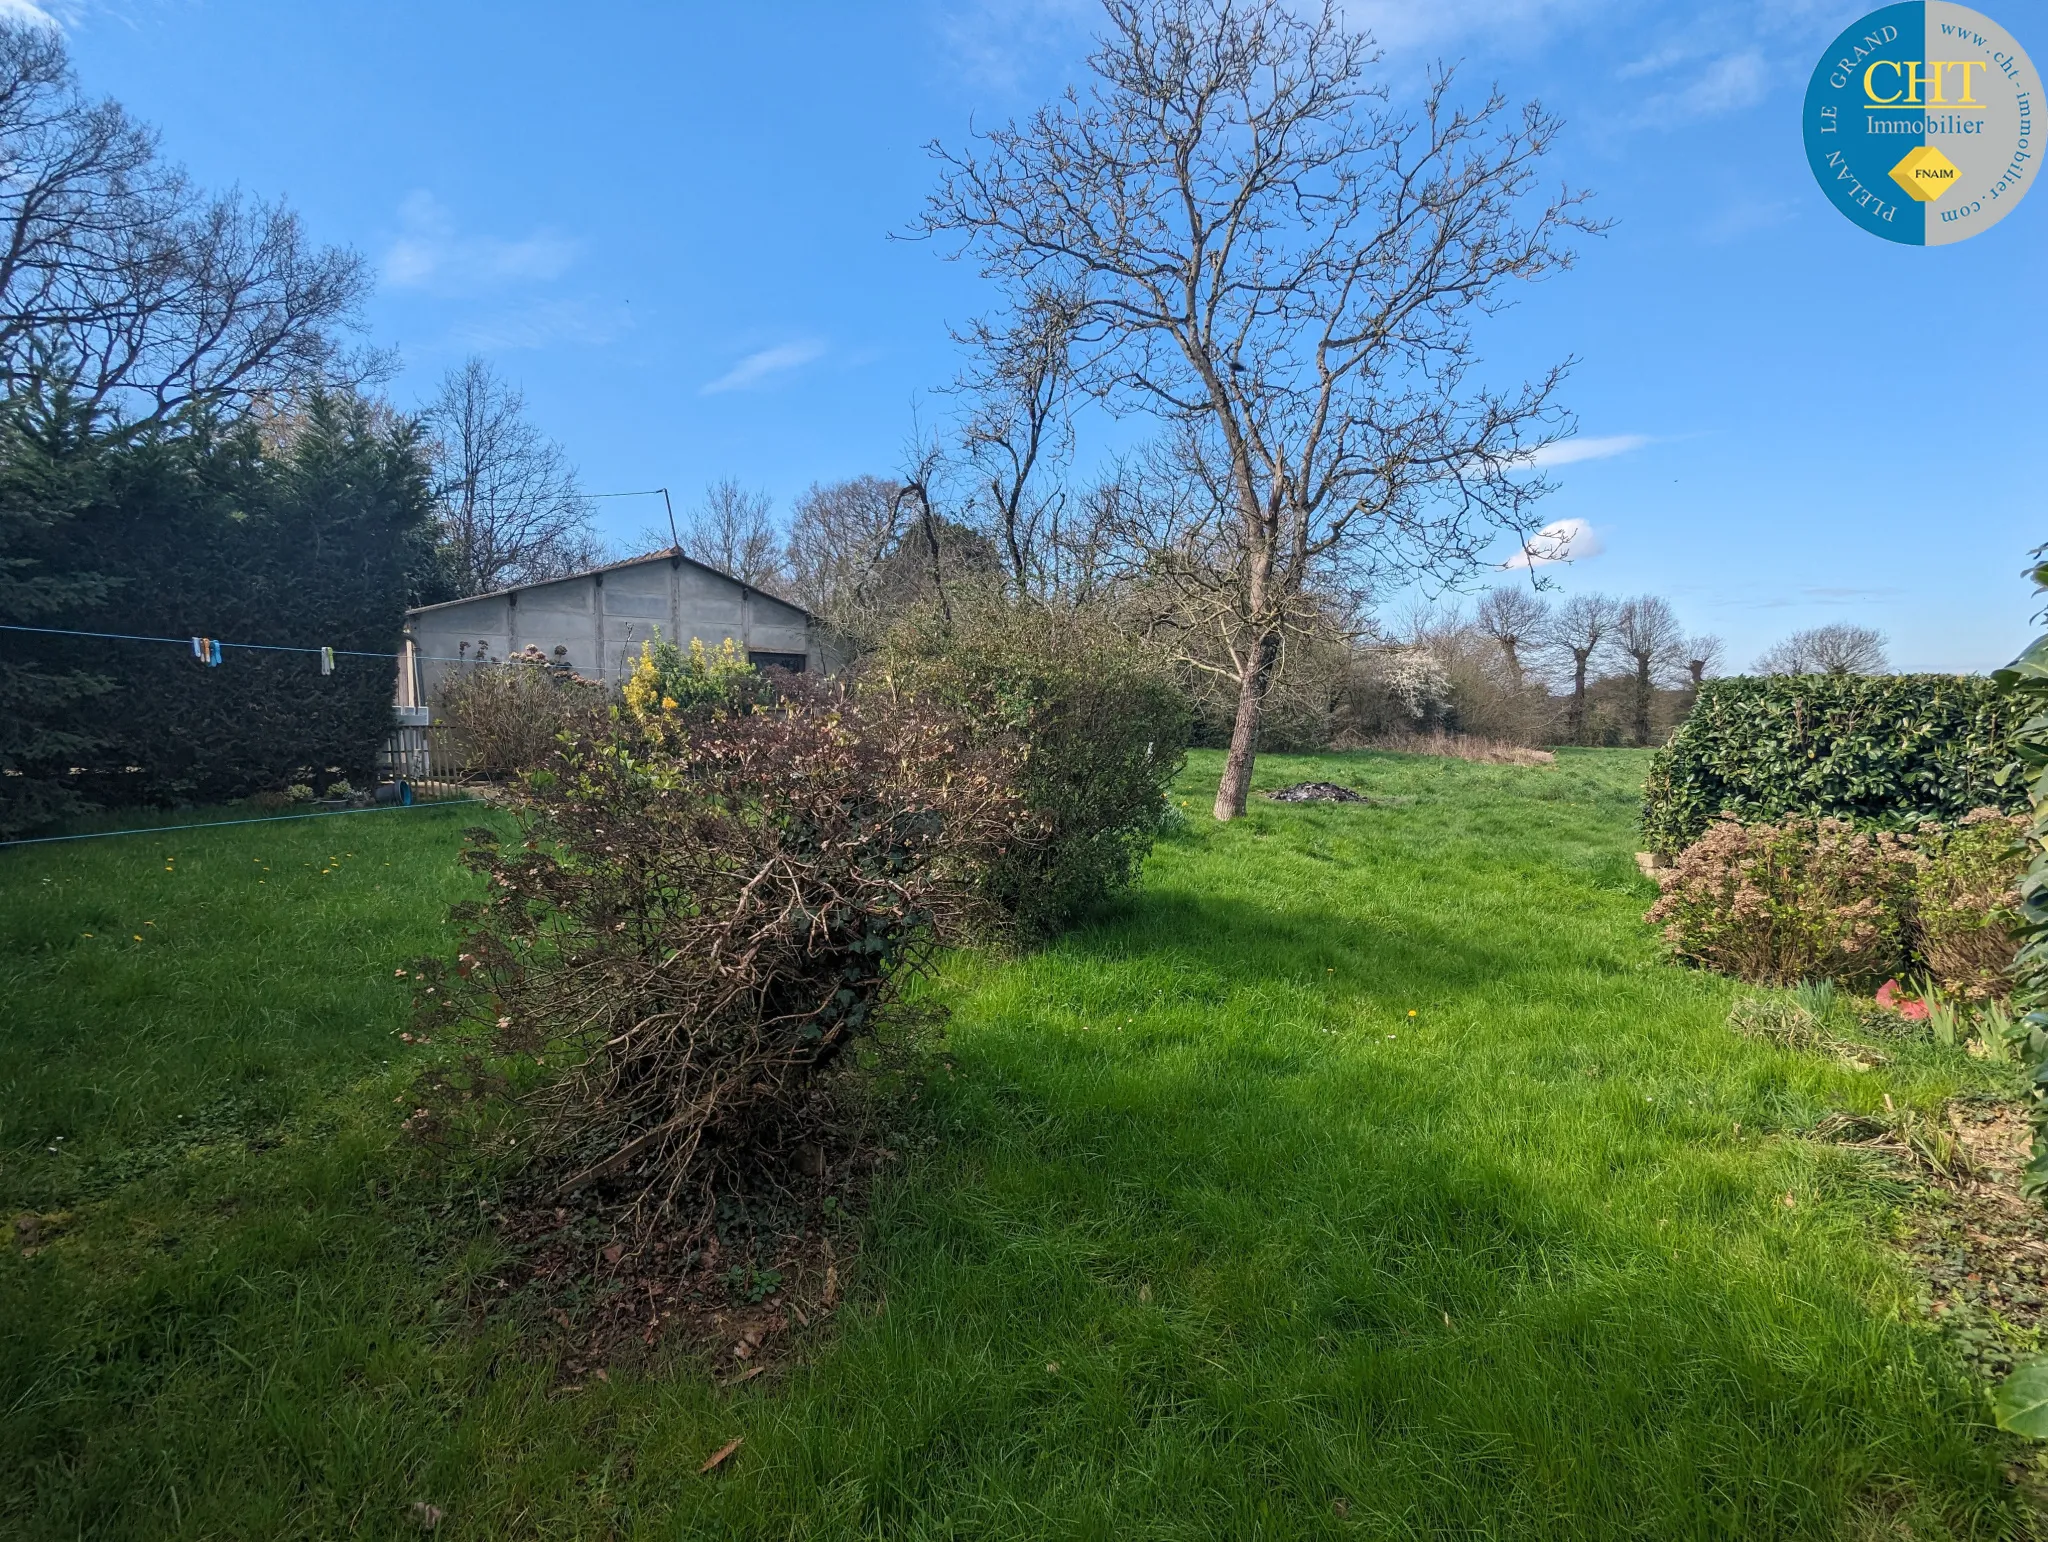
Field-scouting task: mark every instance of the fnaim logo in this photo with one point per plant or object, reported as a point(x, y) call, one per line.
point(1921, 123)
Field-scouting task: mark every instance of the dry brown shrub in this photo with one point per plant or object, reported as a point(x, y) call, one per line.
point(1806, 899)
point(708, 912)
point(1455, 746)
point(496, 720)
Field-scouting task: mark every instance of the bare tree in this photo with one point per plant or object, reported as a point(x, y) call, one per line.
point(734, 531)
point(1020, 380)
point(510, 508)
point(1514, 616)
point(1280, 263)
point(1704, 656)
point(116, 270)
point(1647, 634)
point(838, 540)
point(1577, 630)
point(1835, 649)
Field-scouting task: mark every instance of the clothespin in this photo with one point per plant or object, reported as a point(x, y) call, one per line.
point(213, 652)
point(199, 649)
point(326, 661)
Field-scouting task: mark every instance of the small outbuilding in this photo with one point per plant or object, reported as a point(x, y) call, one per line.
point(595, 622)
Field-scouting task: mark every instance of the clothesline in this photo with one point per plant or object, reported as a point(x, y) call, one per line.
point(188, 642)
point(217, 824)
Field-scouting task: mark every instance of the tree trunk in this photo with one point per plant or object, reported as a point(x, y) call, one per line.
point(1236, 785)
point(1575, 717)
point(1643, 695)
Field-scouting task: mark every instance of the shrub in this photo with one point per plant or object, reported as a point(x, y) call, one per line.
point(1894, 749)
point(1805, 899)
point(497, 720)
point(1455, 746)
point(1966, 903)
point(669, 679)
point(705, 916)
point(1104, 730)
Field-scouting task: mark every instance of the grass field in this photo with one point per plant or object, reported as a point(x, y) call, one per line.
point(1365, 1175)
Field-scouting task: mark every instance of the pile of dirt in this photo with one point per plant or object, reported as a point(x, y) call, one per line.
point(1316, 792)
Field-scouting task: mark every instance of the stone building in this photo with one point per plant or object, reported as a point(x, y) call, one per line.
point(596, 621)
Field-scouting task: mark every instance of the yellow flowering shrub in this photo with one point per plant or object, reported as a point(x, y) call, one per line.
point(670, 679)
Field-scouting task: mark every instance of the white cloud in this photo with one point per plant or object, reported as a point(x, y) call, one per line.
point(1002, 43)
point(1564, 540)
point(1728, 84)
point(28, 11)
point(1566, 451)
point(537, 326)
point(1403, 24)
point(758, 368)
point(430, 253)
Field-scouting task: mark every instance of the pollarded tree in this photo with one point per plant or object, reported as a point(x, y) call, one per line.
point(1576, 632)
point(1647, 634)
point(1273, 259)
point(1514, 617)
point(1704, 656)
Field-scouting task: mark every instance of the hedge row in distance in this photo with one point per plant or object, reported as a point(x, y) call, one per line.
point(1877, 749)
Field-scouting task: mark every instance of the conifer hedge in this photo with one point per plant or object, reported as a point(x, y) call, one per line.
point(1875, 749)
point(315, 533)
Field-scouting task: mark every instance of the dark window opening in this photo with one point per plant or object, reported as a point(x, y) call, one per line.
point(793, 662)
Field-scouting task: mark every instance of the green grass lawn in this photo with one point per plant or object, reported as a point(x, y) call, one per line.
point(1364, 1175)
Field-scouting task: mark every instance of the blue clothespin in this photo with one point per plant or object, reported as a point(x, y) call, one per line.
point(213, 652)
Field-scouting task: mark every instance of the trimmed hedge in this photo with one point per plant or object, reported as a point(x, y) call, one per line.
point(1873, 749)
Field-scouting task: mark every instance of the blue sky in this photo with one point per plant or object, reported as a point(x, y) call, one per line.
point(671, 225)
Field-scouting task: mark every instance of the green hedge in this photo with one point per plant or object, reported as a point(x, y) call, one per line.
point(1882, 749)
point(312, 535)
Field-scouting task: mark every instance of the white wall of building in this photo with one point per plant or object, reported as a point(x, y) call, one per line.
point(601, 618)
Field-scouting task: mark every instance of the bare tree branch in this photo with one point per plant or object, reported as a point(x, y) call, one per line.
point(1272, 258)
point(511, 511)
point(155, 295)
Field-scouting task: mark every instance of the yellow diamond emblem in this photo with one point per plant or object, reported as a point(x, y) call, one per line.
point(1925, 173)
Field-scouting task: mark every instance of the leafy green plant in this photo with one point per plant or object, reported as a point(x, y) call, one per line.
point(1965, 902)
point(670, 678)
point(1104, 730)
point(1887, 749)
point(2025, 679)
point(2020, 1403)
point(752, 1285)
